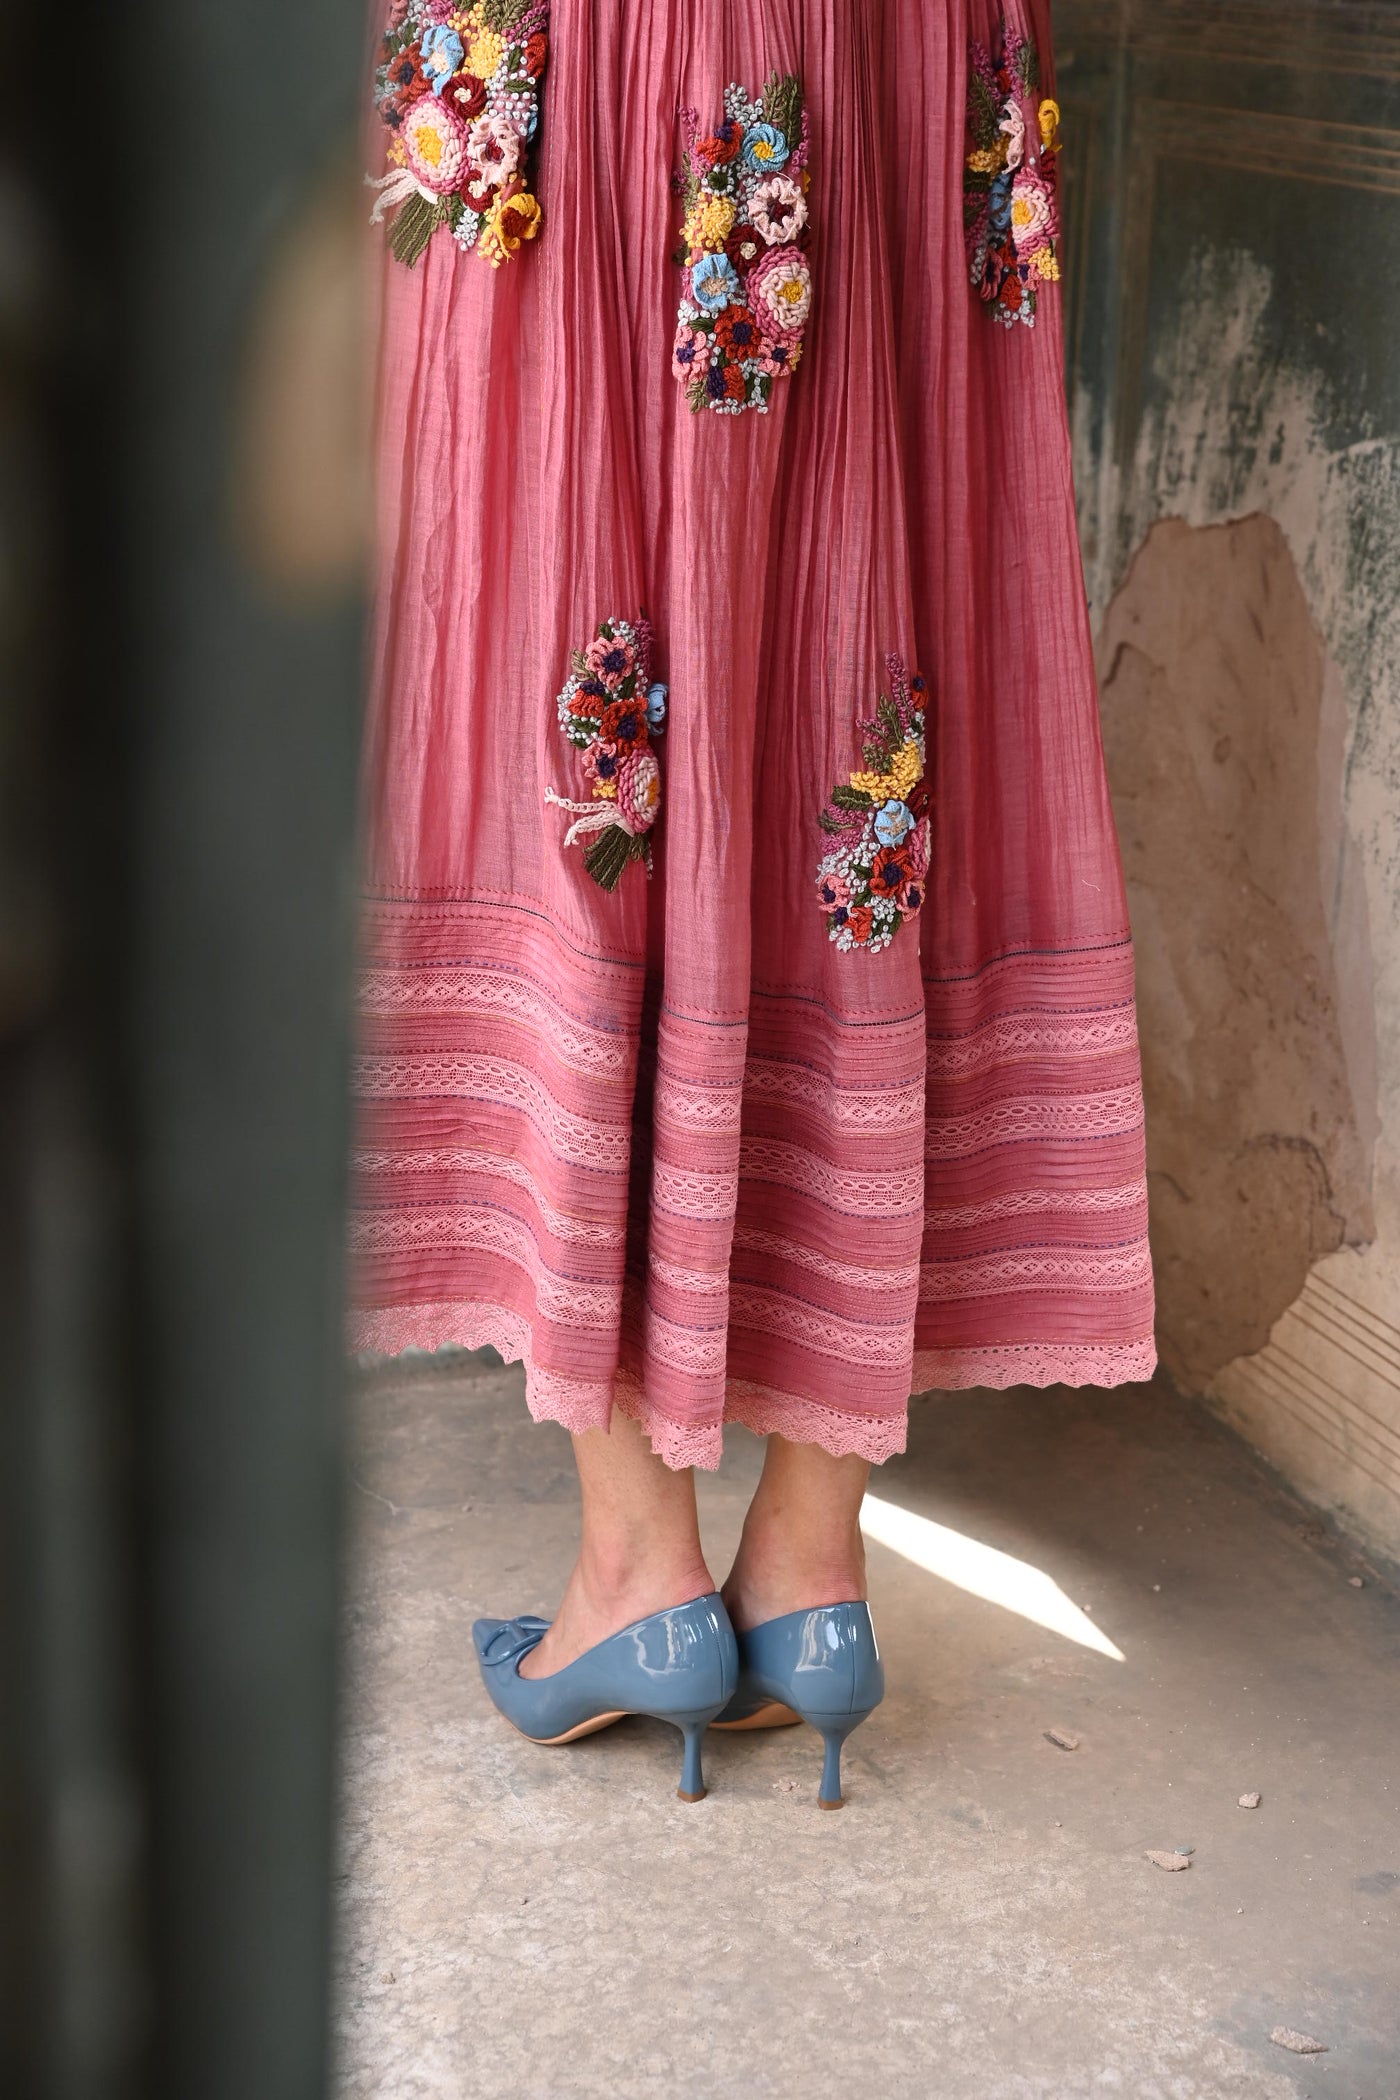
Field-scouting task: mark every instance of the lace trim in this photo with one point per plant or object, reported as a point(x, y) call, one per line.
point(894, 1110)
point(1008, 1037)
point(690, 1105)
point(577, 1404)
point(690, 1193)
point(1114, 1113)
point(696, 1283)
point(579, 1232)
point(765, 1412)
point(1003, 1365)
point(823, 1332)
point(1016, 1203)
point(562, 1299)
point(988, 1275)
point(883, 1195)
point(495, 1080)
point(749, 1241)
point(570, 1041)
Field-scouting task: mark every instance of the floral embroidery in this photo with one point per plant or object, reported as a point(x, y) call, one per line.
point(1011, 219)
point(873, 880)
point(609, 710)
point(748, 288)
point(459, 88)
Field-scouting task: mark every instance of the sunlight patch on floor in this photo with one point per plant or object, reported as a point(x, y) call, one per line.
point(982, 1571)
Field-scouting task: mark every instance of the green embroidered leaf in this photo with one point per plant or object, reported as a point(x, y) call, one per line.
point(578, 664)
point(695, 395)
point(983, 111)
point(414, 227)
point(608, 855)
point(454, 209)
point(889, 716)
point(851, 798)
point(680, 256)
point(628, 688)
point(830, 823)
point(1028, 66)
point(502, 15)
point(606, 630)
point(782, 105)
point(519, 87)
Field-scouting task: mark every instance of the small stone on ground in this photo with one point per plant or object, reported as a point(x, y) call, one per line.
point(1300, 2044)
point(1250, 1800)
point(1062, 1738)
point(1169, 1862)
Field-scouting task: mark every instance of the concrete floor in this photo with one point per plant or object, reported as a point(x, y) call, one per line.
point(980, 1920)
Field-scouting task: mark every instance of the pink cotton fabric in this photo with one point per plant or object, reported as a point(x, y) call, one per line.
point(668, 1146)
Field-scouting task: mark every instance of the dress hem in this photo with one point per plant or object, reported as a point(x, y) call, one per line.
point(581, 1404)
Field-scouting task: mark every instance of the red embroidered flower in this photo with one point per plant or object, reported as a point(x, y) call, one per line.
point(738, 331)
point(722, 146)
point(405, 83)
point(1011, 294)
point(624, 723)
point(743, 247)
point(536, 52)
point(891, 873)
point(860, 919)
point(736, 387)
point(918, 798)
point(467, 95)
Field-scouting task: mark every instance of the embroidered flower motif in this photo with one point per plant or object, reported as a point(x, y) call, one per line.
point(714, 283)
point(443, 52)
point(780, 286)
point(778, 210)
point(765, 147)
point(1011, 221)
point(459, 83)
point(608, 710)
point(690, 354)
point(872, 881)
point(435, 146)
point(748, 290)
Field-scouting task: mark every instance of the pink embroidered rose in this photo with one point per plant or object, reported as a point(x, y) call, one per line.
point(917, 848)
point(610, 659)
point(435, 146)
point(1032, 212)
point(1013, 129)
point(780, 291)
point(832, 892)
point(493, 149)
point(638, 792)
point(690, 355)
point(779, 210)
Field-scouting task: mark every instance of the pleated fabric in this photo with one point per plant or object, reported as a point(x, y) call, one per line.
point(669, 1145)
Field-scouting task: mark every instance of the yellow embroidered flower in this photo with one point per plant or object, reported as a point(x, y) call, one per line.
point(1046, 265)
point(987, 160)
point(1049, 120)
point(899, 783)
point(709, 223)
point(509, 221)
point(396, 156)
point(484, 53)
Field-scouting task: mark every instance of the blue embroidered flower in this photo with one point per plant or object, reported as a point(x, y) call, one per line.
point(764, 147)
point(714, 283)
point(999, 203)
point(656, 706)
point(893, 823)
point(443, 52)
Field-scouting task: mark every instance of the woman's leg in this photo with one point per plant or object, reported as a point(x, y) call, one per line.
point(802, 1543)
point(640, 1549)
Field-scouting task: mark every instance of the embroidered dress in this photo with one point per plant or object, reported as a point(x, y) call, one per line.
point(746, 1013)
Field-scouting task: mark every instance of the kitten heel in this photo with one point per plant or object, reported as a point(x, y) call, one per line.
point(834, 1729)
point(692, 1727)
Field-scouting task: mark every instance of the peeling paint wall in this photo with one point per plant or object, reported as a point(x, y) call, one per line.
point(1236, 405)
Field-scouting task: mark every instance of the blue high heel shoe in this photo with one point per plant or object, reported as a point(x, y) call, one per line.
point(680, 1666)
point(821, 1666)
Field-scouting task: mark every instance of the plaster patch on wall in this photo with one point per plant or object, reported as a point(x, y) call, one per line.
point(1232, 426)
point(1217, 733)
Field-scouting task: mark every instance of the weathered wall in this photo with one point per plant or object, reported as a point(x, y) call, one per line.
point(1233, 179)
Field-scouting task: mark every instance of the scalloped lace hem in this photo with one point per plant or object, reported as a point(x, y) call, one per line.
point(1000, 1365)
point(578, 1404)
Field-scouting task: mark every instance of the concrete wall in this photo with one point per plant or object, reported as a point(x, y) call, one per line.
point(1233, 197)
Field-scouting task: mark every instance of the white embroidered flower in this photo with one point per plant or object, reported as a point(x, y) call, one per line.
point(778, 210)
point(493, 151)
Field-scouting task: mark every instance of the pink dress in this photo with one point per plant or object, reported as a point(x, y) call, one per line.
point(762, 1049)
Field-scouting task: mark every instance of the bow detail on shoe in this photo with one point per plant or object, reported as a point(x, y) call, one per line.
point(512, 1639)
